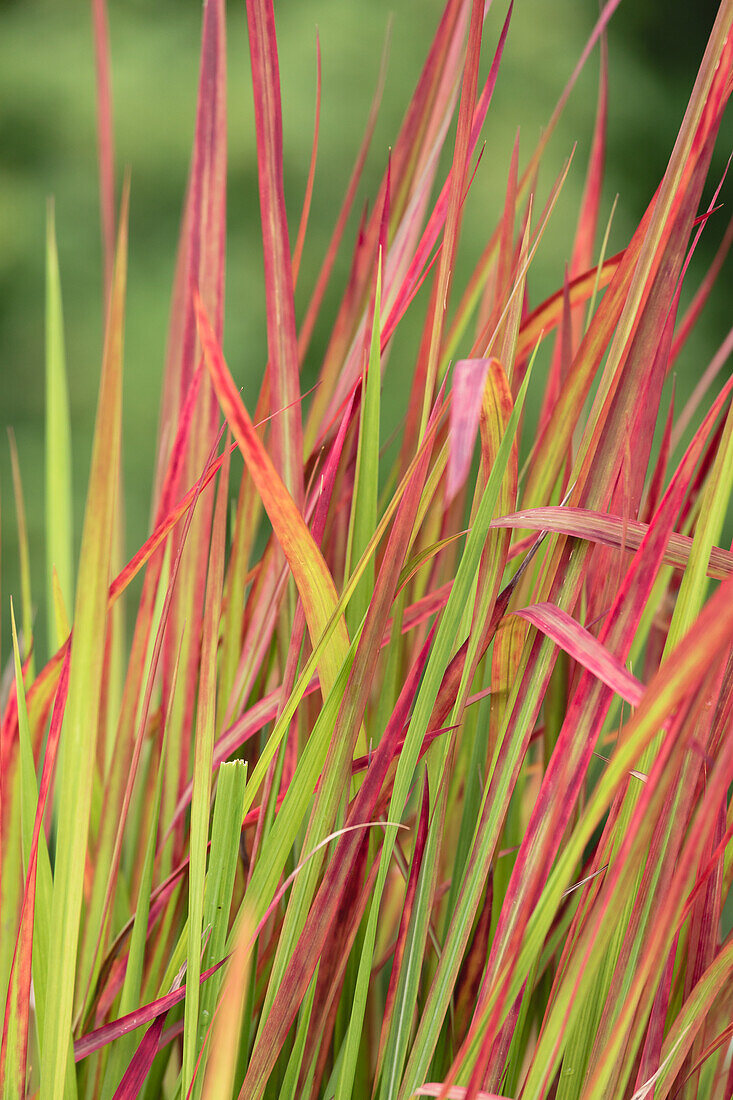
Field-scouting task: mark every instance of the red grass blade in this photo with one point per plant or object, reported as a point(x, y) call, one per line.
point(311, 574)
point(106, 1034)
point(201, 251)
point(455, 1092)
point(287, 430)
point(584, 648)
point(612, 531)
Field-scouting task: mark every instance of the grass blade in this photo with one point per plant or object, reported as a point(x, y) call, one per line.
point(59, 513)
point(82, 710)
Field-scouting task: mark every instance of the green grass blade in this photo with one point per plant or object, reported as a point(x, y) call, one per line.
point(39, 863)
point(203, 754)
point(363, 520)
point(82, 711)
point(25, 560)
point(59, 497)
point(223, 859)
point(714, 507)
point(131, 990)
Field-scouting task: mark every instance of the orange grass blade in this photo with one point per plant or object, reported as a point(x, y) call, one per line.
point(315, 584)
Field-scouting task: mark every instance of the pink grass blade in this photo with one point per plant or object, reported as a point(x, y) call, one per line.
point(612, 531)
point(107, 1033)
point(469, 376)
point(287, 431)
point(584, 648)
point(456, 1092)
point(136, 1073)
point(201, 266)
point(651, 1053)
point(165, 525)
point(201, 246)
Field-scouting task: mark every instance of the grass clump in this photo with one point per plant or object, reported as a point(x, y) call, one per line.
point(412, 777)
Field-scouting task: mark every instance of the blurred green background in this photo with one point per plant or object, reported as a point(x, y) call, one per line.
point(48, 147)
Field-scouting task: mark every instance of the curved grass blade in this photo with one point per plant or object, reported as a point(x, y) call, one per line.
point(315, 584)
point(615, 531)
